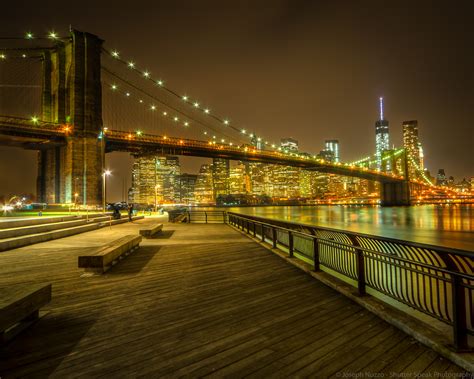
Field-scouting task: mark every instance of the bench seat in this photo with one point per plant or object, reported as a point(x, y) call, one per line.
point(151, 231)
point(104, 258)
point(19, 307)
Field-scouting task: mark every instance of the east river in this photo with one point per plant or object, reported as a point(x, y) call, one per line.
point(443, 225)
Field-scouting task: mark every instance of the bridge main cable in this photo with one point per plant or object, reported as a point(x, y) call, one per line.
point(146, 93)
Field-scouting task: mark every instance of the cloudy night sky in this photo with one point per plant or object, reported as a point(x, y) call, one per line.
point(311, 70)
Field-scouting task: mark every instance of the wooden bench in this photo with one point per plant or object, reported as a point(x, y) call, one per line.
point(151, 231)
point(19, 307)
point(106, 256)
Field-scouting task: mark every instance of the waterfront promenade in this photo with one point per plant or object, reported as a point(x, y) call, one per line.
point(197, 300)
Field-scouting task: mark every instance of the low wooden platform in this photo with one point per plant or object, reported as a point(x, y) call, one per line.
point(199, 300)
point(105, 257)
point(151, 230)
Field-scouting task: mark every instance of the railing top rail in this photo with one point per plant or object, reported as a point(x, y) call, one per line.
point(439, 249)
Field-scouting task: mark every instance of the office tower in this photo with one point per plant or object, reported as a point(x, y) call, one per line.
point(333, 146)
point(289, 144)
point(220, 176)
point(154, 179)
point(258, 178)
point(308, 183)
point(169, 169)
point(204, 193)
point(381, 136)
point(412, 146)
point(441, 179)
point(187, 188)
point(238, 179)
point(284, 181)
point(326, 155)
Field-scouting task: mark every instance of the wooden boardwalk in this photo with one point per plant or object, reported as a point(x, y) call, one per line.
point(199, 300)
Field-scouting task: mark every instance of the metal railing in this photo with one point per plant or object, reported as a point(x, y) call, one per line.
point(434, 280)
point(198, 216)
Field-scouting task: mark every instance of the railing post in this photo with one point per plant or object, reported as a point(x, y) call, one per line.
point(254, 229)
point(360, 265)
point(460, 340)
point(274, 237)
point(206, 216)
point(316, 254)
point(189, 217)
point(248, 226)
point(263, 233)
point(360, 272)
point(290, 244)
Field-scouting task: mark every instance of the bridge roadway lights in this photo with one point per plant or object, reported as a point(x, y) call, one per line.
point(395, 193)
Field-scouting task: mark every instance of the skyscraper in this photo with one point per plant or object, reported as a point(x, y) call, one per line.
point(381, 136)
point(204, 188)
point(186, 188)
point(154, 177)
point(221, 176)
point(333, 145)
point(412, 146)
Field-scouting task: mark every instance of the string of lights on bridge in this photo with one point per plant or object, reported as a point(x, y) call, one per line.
point(54, 36)
point(369, 160)
point(194, 104)
point(164, 113)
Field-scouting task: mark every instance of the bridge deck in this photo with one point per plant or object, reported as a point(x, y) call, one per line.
point(198, 300)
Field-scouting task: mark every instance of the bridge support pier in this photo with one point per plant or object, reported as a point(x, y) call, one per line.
point(72, 95)
point(395, 193)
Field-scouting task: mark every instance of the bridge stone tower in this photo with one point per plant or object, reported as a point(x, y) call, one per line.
point(72, 95)
point(397, 193)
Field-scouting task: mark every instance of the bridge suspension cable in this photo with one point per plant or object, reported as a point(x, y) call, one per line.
point(194, 104)
point(179, 116)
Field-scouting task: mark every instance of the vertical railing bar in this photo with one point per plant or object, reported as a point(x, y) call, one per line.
point(316, 265)
point(459, 314)
point(290, 244)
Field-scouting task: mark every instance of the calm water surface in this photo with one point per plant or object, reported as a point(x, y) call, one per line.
point(445, 225)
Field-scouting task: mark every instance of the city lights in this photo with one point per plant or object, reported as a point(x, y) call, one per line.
point(53, 35)
point(29, 35)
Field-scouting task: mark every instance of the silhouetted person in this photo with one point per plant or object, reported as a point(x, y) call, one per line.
point(130, 212)
point(116, 215)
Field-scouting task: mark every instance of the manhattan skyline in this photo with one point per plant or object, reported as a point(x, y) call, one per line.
point(308, 70)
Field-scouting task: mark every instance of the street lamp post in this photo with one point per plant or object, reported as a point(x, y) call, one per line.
point(104, 188)
point(156, 196)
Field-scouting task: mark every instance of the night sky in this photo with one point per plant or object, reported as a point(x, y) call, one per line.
point(311, 70)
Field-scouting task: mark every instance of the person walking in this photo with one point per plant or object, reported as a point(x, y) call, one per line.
point(130, 212)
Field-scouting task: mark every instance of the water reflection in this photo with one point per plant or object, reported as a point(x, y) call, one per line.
point(446, 225)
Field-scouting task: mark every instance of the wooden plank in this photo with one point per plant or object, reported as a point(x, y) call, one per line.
point(205, 301)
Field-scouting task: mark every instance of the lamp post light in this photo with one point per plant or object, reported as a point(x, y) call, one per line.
point(156, 196)
point(104, 183)
point(75, 199)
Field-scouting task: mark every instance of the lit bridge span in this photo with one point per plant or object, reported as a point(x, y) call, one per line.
point(72, 138)
point(26, 133)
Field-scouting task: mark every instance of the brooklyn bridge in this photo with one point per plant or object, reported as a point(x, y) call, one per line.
point(93, 102)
